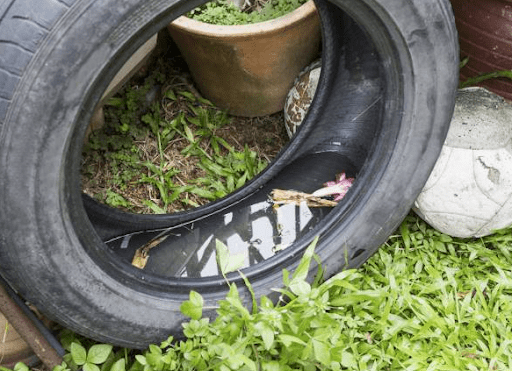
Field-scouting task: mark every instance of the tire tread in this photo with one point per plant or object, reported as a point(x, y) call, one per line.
point(23, 27)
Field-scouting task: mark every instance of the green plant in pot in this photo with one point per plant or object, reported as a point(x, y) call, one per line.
point(248, 68)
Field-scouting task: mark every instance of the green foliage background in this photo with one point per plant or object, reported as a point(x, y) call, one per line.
point(223, 12)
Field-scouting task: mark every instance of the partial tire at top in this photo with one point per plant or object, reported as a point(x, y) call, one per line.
point(381, 113)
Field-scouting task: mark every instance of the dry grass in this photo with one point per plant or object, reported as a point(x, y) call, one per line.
point(264, 135)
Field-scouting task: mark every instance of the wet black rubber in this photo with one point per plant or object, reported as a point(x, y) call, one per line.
point(381, 113)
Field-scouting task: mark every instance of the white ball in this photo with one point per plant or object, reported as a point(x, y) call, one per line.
point(469, 192)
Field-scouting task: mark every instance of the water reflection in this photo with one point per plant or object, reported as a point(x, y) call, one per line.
point(258, 231)
point(253, 227)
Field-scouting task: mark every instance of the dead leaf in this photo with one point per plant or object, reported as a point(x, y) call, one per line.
point(281, 196)
point(141, 256)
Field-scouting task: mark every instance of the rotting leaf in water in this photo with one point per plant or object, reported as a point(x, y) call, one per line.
point(337, 189)
point(141, 256)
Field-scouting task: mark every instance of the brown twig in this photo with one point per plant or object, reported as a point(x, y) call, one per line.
point(281, 196)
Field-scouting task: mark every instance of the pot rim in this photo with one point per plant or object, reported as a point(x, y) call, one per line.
point(184, 23)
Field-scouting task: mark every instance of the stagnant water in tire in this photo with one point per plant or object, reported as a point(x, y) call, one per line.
point(254, 227)
point(256, 231)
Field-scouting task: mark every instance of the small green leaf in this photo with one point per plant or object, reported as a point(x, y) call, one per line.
point(233, 298)
point(287, 340)
point(167, 343)
point(170, 94)
point(193, 307)
point(78, 354)
point(115, 102)
point(286, 277)
point(241, 181)
point(99, 353)
point(228, 263)
point(230, 183)
point(322, 352)
point(251, 290)
point(189, 134)
point(405, 235)
point(141, 359)
point(203, 193)
point(20, 366)
point(119, 365)
point(204, 101)
point(485, 76)
point(266, 333)
point(235, 263)
point(214, 168)
point(248, 362)
point(348, 360)
point(222, 254)
point(225, 144)
point(90, 367)
point(303, 269)
point(191, 97)
point(300, 288)
point(155, 349)
point(154, 207)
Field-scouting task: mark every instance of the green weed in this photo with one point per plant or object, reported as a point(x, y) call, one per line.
point(147, 148)
point(224, 12)
point(472, 81)
point(424, 301)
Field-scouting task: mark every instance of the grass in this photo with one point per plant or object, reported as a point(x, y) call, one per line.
point(475, 80)
point(164, 148)
point(424, 301)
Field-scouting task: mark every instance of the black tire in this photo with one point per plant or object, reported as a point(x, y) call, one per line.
point(383, 106)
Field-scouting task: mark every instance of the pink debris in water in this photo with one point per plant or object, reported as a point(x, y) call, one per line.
point(337, 188)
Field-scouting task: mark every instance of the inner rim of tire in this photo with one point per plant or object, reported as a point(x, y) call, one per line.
point(187, 254)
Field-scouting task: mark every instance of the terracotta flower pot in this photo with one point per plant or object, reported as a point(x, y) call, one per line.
point(249, 69)
point(136, 61)
point(485, 36)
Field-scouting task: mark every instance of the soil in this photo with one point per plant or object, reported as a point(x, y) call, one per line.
point(265, 135)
